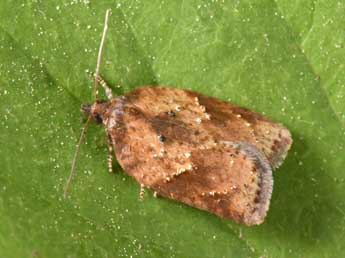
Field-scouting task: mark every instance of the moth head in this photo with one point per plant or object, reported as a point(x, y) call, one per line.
point(96, 110)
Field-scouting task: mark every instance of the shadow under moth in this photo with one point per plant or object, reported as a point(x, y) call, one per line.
point(199, 150)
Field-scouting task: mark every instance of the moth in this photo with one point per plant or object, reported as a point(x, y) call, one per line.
point(196, 149)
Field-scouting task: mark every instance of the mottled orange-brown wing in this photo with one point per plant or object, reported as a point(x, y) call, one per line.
point(219, 118)
point(272, 138)
point(181, 145)
point(230, 179)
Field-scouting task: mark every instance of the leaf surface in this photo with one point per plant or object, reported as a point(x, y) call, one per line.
point(282, 58)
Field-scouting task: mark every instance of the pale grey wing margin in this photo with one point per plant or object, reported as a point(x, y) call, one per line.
point(265, 182)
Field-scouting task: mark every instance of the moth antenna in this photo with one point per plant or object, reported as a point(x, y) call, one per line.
point(74, 161)
point(83, 132)
point(100, 51)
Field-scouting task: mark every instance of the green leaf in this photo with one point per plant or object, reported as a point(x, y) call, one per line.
point(282, 58)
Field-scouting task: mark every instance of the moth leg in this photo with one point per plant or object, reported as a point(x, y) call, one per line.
point(106, 88)
point(155, 194)
point(142, 191)
point(110, 155)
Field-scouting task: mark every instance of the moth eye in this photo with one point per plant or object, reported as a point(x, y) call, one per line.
point(98, 118)
point(162, 138)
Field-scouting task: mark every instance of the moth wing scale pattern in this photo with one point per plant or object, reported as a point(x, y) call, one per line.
point(199, 150)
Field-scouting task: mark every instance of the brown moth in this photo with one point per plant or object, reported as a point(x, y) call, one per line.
point(199, 150)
